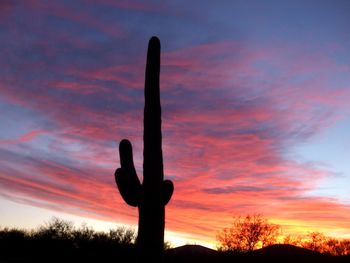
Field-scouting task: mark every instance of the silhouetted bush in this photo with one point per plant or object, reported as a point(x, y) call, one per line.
point(252, 232)
point(317, 241)
point(56, 229)
point(248, 233)
point(59, 241)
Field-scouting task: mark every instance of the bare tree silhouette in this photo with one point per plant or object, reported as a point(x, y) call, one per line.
point(154, 193)
point(248, 233)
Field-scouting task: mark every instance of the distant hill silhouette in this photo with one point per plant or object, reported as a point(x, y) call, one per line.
point(271, 254)
point(192, 249)
point(285, 250)
point(191, 253)
point(288, 253)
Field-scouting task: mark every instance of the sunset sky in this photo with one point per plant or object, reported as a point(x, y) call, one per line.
point(255, 104)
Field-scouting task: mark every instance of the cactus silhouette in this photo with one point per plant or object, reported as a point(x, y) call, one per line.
point(154, 193)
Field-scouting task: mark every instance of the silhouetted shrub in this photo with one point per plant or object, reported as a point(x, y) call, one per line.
point(122, 235)
point(253, 232)
point(317, 241)
point(248, 233)
point(56, 229)
point(59, 241)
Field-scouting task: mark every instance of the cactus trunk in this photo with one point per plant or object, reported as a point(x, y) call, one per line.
point(154, 193)
point(151, 210)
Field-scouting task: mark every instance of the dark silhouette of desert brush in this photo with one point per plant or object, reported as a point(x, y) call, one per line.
point(154, 193)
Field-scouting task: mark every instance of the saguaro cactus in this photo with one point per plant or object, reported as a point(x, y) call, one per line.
point(154, 193)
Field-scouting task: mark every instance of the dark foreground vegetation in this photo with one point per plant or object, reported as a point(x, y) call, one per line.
point(254, 231)
point(60, 241)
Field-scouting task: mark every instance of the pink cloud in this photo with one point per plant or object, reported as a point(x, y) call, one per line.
point(84, 89)
point(29, 136)
point(127, 75)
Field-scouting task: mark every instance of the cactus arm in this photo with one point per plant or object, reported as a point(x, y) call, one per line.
point(126, 178)
point(167, 191)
